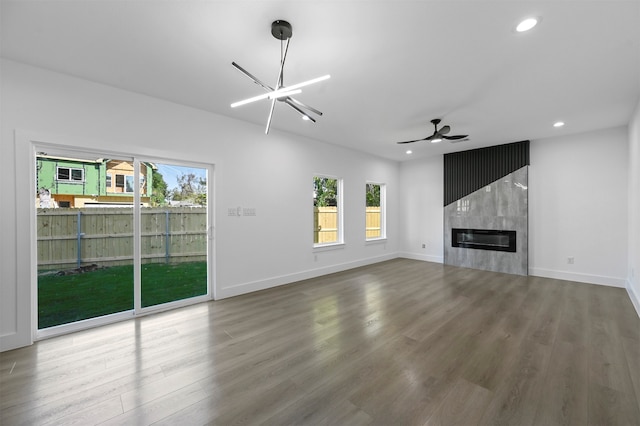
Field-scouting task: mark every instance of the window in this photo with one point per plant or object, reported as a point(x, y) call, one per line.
point(327, 214)
point(126, 183)
point(108, 182)
point(69, 174)
point(129, 184)
point(374, 211)
point(119, 181)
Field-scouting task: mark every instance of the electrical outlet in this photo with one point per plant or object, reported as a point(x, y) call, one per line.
point(570, 260)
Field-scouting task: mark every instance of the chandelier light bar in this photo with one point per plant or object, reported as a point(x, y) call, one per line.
point(282, 92)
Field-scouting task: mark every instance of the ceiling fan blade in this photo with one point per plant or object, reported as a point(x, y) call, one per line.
point(460, 140)
point(444, 130)
point(273, 105)
point(455, 137)
point(289, 101)
point(248, 74)
point(417, 140)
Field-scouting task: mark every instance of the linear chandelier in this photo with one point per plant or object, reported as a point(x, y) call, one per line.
point(282, 31)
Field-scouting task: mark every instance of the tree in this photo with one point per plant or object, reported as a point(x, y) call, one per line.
point(158, 188)
point(191, 188)
point(325, 191)
point(373, 195)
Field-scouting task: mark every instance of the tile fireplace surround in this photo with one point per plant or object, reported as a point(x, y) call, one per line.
point(499, 206)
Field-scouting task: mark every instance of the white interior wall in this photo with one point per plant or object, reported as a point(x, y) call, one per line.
point(421, 209)
point(576, 183)
point(633, 282)
point(272, 174)
point(578, 207)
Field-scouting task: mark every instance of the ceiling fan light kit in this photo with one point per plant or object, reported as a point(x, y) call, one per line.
point(527, 24)
point(282, 31)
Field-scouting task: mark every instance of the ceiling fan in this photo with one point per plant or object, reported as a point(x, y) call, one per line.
point(440, 135)
point(282, 31)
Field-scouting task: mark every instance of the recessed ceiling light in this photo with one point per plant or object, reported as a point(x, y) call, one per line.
point(558, 124)
point(526, 25)
point(409, 151)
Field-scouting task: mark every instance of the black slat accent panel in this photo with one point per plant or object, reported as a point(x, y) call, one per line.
point(468, 171)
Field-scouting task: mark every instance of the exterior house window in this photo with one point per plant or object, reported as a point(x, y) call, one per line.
point(327, 211)
point(69, 174)
point(375, 211)
point(120, 181)
point(128, 184)
point(108, 181)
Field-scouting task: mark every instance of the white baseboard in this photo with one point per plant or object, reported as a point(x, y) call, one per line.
point(634, 296)
point(9, 341)
point(423, 257)
point(250, 287)
point(577, 277)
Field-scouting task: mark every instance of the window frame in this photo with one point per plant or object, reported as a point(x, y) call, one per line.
point(70, 170)
point(383, 211)
point(340, 213)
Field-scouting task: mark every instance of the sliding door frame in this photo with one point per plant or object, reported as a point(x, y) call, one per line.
point(31, 146)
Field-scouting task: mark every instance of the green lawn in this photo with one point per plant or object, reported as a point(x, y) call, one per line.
point(68, 298)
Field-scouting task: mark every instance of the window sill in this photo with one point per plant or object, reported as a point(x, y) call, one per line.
point(327, 247)
point(376, 240)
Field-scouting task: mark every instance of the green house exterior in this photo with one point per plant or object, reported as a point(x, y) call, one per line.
point(72, 182)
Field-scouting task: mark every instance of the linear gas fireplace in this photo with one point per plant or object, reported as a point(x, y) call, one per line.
point(484, 239)
point(480, 228)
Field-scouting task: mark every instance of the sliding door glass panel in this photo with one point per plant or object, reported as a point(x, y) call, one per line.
point(84, 238)
point(173, 232)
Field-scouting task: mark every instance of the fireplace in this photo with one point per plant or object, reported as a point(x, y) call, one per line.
point(488, 228)
point(484, 239)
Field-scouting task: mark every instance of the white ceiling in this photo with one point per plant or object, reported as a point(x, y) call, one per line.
point(394, 65)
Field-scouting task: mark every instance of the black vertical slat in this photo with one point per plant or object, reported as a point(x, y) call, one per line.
point(468, 171)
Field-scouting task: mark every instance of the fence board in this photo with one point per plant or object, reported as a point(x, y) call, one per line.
point(373, 221)
point(325, 224)
point(107, 236)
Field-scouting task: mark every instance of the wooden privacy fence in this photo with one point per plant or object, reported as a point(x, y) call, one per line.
point(325, 224)
point(74, 237)
point(374, 230)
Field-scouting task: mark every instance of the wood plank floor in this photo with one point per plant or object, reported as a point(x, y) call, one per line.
point(401, 342)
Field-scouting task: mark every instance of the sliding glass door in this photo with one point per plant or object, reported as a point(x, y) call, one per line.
point(84, 239)
point(118, 236)
point(174, 236)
